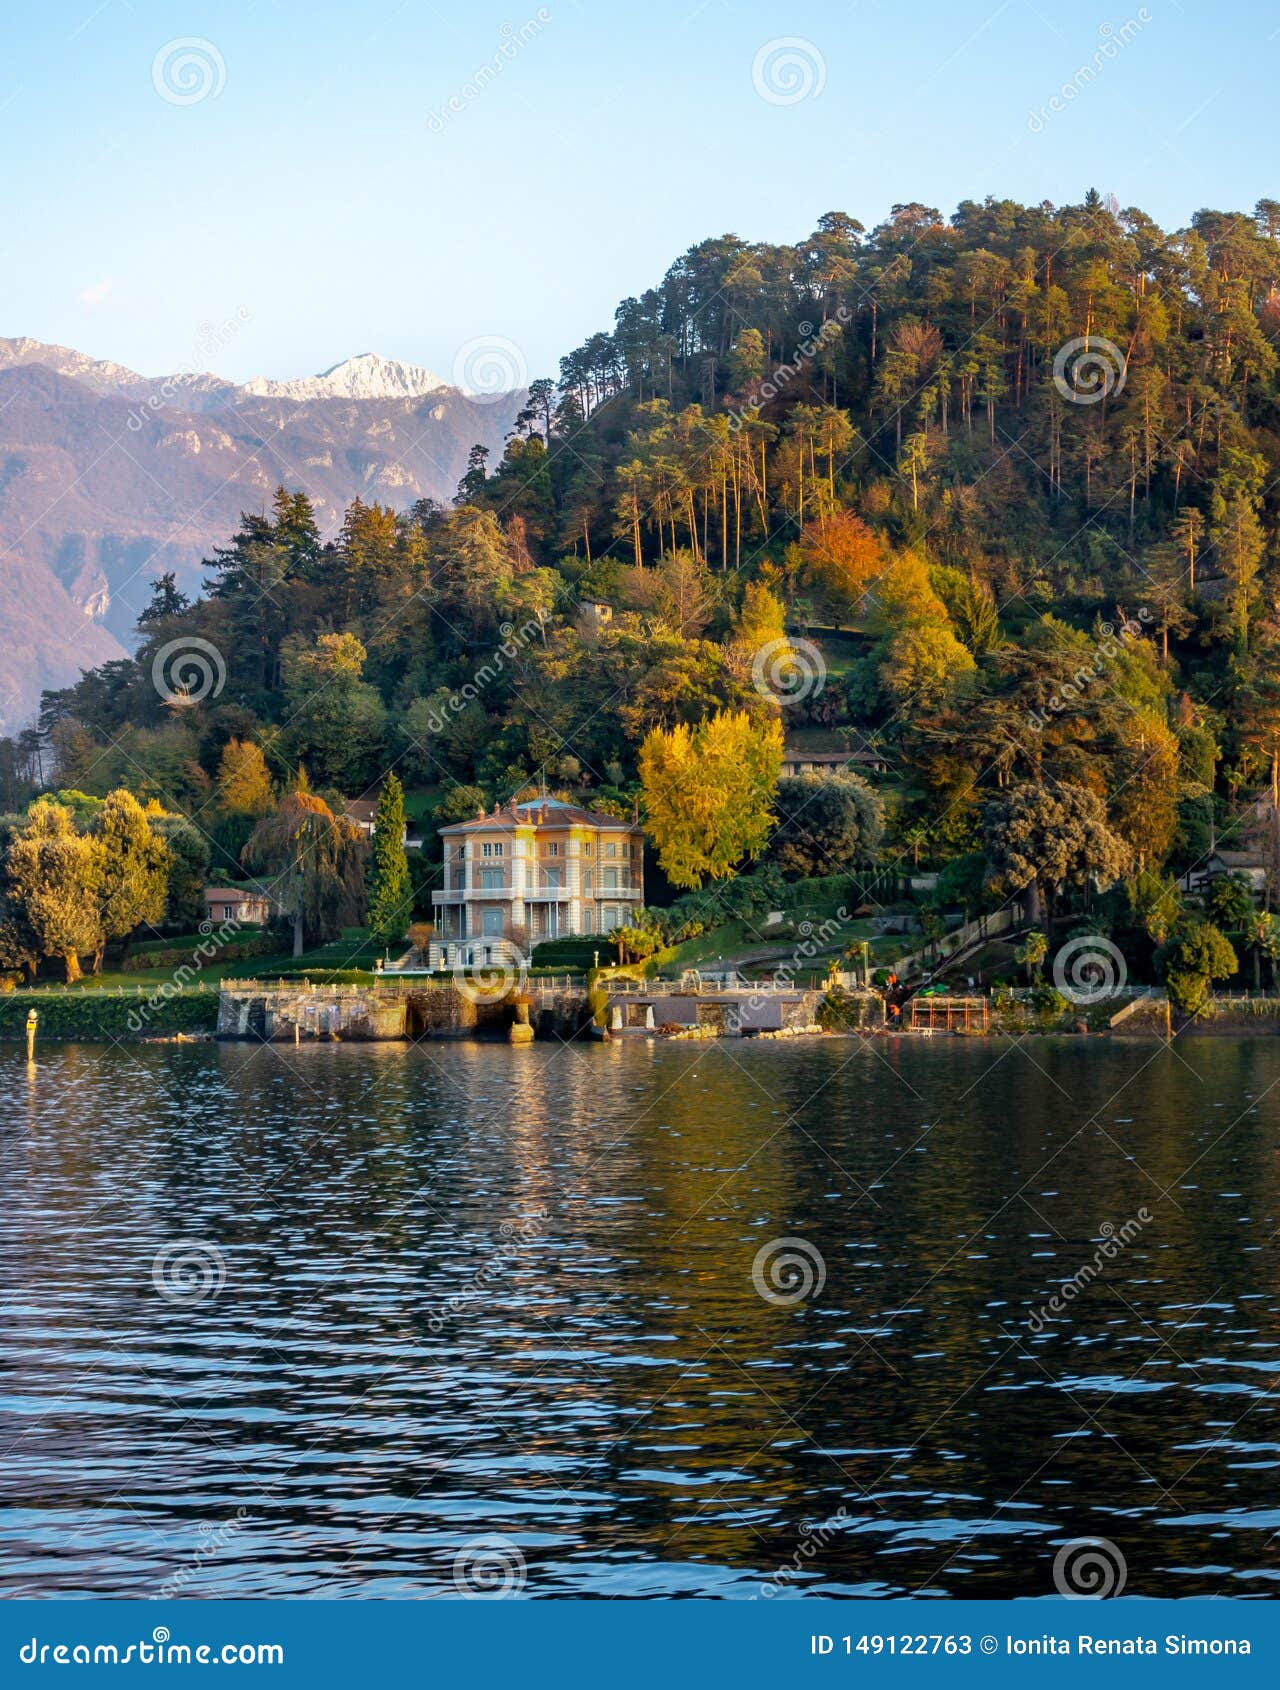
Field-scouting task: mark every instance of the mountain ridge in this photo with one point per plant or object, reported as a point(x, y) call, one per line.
point(109, 479)
point(366, 375)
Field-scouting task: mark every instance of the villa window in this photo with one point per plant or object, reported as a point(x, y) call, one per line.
point(611, 850)
point(491, 880)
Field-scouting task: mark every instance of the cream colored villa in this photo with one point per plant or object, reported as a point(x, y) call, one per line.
point(542, 869)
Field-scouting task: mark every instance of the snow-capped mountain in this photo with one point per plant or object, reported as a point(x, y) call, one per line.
point(96, 373)
point(364, 377)
point(109, 478)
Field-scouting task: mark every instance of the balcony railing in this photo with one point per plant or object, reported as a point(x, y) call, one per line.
point(459, 894)
point(543, 893)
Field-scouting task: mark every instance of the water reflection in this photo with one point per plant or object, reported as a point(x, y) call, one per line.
point(477, 1289)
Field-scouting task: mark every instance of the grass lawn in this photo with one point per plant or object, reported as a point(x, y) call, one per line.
point(737, 938)
point(421, 801)
point(353, 951)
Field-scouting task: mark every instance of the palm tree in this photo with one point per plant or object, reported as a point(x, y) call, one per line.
point(1031, 954)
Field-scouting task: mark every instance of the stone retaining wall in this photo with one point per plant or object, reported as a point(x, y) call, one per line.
point(307, 1013)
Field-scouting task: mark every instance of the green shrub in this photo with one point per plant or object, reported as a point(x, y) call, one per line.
point(822, 890)
point(173, 953)
point(1048, 1002)
point(572, 953)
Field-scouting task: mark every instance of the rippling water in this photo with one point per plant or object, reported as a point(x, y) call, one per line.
point(462, 1290)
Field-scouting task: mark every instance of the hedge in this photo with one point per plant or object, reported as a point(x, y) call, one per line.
point(109, 1015)
point(178, 951)
point(574, 953)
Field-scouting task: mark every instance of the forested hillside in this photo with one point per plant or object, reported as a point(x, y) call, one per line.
point(1024, 457)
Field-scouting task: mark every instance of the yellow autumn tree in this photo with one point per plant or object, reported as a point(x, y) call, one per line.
point(708, 793)
point(244, 781)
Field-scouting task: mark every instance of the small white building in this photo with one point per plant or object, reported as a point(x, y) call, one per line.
point(593, 615)
point(1249, 865)
point(247, 906)
point(861, 760)
point(364, 813)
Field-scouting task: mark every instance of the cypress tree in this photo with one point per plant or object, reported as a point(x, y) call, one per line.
point(390, 889)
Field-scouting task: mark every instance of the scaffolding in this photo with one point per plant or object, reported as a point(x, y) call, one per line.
point(953, 1015)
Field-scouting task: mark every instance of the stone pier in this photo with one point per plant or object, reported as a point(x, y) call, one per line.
point(301, 1013)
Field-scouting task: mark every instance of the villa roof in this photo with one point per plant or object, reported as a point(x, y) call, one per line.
point(834, 759)
point(547, 813)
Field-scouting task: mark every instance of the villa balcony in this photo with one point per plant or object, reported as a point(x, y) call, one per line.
point(541, 894)
point(465, 895)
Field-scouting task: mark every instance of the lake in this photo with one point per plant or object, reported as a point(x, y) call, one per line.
point(641, 1319)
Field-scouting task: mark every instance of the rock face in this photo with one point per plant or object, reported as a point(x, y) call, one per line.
point(109, 478)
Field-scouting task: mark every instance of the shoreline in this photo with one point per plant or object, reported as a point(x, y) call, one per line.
point(307, 1014)
point(1235, 1028)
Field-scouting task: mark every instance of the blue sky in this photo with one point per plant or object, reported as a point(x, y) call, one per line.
point(322, 199)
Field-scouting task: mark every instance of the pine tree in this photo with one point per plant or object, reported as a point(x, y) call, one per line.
point(390, 889)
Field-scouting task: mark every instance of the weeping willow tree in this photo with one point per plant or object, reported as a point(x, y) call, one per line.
point(315, 864)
